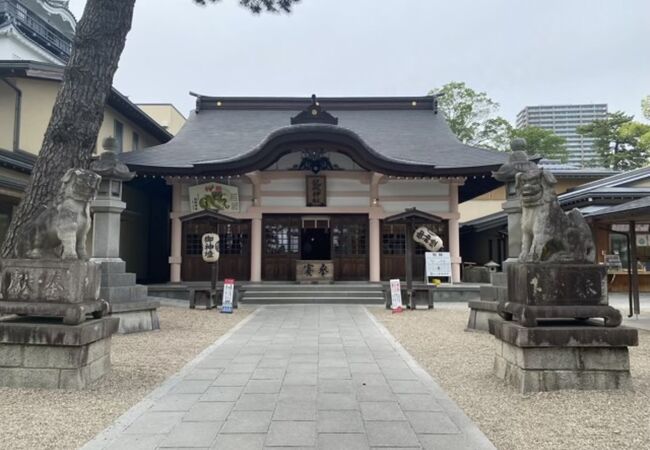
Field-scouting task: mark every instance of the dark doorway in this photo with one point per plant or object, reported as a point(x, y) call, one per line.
point(315, 244)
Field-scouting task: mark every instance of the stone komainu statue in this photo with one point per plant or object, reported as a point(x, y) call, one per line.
point(548, 233)
point(60, 229)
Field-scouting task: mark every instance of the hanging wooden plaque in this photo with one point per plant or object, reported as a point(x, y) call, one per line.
point(316, 190)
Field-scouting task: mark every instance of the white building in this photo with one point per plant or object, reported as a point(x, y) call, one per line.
point(563, 120)
point(36, 30)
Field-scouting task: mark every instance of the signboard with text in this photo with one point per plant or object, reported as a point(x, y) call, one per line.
point(228, 293)
point(395, 294)
point(437, 264)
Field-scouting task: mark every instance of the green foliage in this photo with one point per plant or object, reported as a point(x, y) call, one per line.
point(257, 6)
point(620, 142)
point(542, 142)
point(645, 106)
point(472, 116)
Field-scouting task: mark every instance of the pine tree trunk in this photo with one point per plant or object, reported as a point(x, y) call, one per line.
point(78, 111)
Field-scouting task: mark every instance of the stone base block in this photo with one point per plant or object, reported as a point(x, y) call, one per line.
point(584, 357)
point(46, 354)
point(136, 318)
point(480, 313)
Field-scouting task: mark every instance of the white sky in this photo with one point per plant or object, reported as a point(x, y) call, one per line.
point(521, 52)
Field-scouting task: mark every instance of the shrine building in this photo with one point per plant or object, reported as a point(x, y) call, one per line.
point(289, 180)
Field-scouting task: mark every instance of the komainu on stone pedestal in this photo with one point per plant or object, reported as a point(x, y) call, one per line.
point(547, 341)
point(556, 276)
point(51, 276)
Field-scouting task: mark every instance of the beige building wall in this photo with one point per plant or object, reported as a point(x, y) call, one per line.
point(38, 97)
point(165, 114)
point(7, 108)
point(490, 202)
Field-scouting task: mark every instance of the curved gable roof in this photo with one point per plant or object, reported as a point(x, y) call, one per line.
point(405, 134)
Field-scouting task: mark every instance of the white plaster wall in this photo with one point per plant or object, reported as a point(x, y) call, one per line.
point(347, 185)
point(286, 184)
point(427, 206)
point(415, 187)
point(334, 201)
point(283, 201)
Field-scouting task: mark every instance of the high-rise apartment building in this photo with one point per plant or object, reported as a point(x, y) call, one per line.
point(563, 120)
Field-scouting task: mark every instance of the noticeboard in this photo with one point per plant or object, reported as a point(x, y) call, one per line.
point(437, 265)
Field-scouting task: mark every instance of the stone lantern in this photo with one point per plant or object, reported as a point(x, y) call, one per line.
point(128, 300)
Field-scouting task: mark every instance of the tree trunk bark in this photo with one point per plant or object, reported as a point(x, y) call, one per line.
point(78, 112)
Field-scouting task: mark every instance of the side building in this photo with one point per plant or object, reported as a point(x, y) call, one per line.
point(564, 120)
point(27, 93)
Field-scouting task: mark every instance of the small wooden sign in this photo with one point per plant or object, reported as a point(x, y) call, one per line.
point(316, 190)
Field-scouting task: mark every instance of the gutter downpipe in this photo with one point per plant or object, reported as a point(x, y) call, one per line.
point(19, 97)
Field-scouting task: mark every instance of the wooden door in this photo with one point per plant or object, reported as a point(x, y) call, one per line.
point(234, 249)
point(281, 247)
point(350, 247)
point(393, 250)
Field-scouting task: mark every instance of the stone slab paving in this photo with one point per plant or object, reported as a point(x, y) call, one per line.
point(298, 376)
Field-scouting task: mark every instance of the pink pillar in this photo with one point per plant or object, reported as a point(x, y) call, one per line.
point(175, 259)
point(374, 250)
point(454, 233)
point(256, 249)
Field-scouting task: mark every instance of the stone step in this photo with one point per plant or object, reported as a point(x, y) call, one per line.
point(297, 293)
point(118, 279)
point(123, 293)
point(378, 300)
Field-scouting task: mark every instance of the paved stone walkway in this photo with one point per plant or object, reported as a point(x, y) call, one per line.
point(299, 376)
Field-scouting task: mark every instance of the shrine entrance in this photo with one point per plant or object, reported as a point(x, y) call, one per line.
point(339, 238)
point(234, 246)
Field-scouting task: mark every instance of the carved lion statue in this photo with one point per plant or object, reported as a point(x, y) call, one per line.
point(548, 233)
point(60, 229)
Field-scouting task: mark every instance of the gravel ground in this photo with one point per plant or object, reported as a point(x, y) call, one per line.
point(65, 419)
point(461, 362)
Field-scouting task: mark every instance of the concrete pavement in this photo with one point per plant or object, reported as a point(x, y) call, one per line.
point(298, 376)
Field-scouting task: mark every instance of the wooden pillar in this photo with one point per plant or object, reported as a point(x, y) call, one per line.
point(409, 263)
point(175, 258)
point(634, 275)
point(454, 233)
point(374, 250)
point(256, 249)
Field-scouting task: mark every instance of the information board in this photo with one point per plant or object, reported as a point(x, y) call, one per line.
point(395, 294)
point(438, 264)
point(228, 293)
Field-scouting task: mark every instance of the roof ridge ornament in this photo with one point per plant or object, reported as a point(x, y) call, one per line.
point(314, 113)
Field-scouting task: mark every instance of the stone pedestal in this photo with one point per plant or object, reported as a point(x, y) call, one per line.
point(562, 355)
point(557, 291)
point(51, 288)
point(128, 300)
point(481, 311)
point(43, 353)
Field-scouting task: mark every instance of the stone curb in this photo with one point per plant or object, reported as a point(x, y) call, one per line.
point(115, 430)
point(473, 434)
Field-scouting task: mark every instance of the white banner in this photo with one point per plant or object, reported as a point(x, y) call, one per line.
point(395, 294)
point(228, 292)
point(214, 196)
point(438, 264)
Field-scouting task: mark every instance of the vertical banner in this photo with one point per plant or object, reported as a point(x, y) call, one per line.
point(228, 293)
point(395, 295)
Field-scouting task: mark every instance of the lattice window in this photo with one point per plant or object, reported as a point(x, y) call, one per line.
point(281, 239)
point(350, 240)
point(193, 245)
